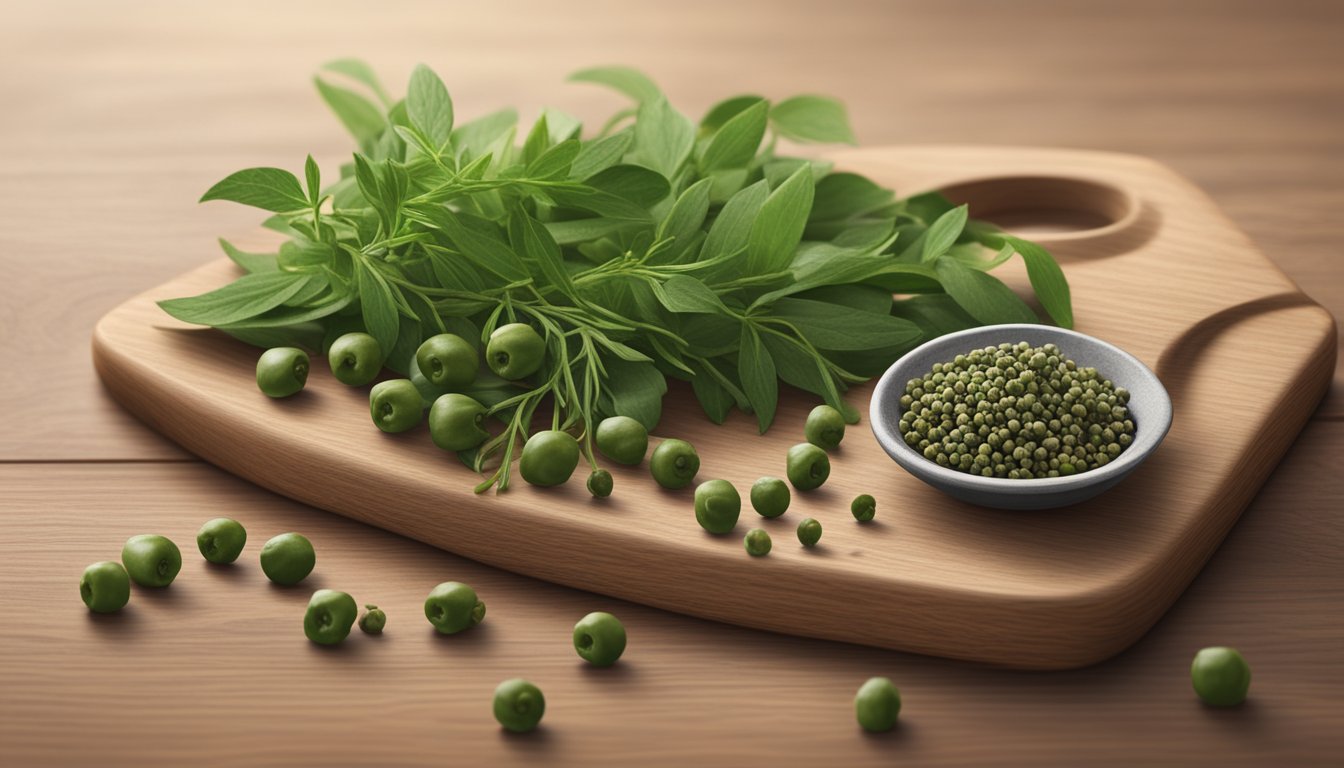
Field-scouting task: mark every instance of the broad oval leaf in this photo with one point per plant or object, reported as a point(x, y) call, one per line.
point(271, 189)
point(812, 119)
point(1047, 280)
point(759, 380)
point(735, 144)
point(943, 233)
point(630, 82)
point(360, 116)
point(243, 299)
point(429, 106)
point(983, 296)
point(600, 154)
point(778, 228)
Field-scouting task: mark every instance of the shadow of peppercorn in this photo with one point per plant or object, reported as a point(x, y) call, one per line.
point(902, 733)
point(1245, 718)
point(173, 594)
point(125, 622)
point(620, 673)
point(474, 640)
point(302, 591)
point(230, 571)
point(539, 740)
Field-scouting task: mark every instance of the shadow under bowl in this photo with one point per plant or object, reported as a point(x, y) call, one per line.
point(1149, 407)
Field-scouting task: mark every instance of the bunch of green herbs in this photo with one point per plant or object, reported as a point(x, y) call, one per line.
point(656, 248)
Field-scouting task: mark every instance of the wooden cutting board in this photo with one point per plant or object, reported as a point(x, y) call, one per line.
point(1154, 267)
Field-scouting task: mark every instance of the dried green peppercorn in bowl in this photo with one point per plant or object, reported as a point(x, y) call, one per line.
point(1066, 455)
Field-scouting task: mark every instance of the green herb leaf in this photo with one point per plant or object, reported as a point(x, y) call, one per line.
point(1047, 279)
point(473, 139)
point(663, 137)
point(360, 117)
point(313, 175)
point(943, 233)
point(429, 106)
point(682, 293)
point(734, 145)
point(377, 306)
point(725, 110)
point(983, 296)
point(759, 379)
point(684, 222)
point(630, 82)
point(251, 262)
point(244, 298)
point(637, 184)
point(835, 326)
point(271, 189)
point(600, 154)
point(732, 228)
point(361, 72)
point(636, 391)
point(555, 162)
point(812, 119)
point(778, 228)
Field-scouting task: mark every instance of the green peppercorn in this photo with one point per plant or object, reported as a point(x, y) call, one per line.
point(807, 466)
point(518, 705)
point(864, 507)
point(599, 639)
point(282, 371)
point(1221, 676)
point(717, 506)
point(452, 607)
point(757, 542)
point(877, 705)
point(373, 620)
point(448, 361)
point(515, 351)
point(355, 359)
point(549, 458)
point(809, 532)
point(622, 439)
point(105, 587)
point(674, 464)
point(600, 483)
point(825, 427)
point(457, 423)
point(770, 496)
point(395, 405)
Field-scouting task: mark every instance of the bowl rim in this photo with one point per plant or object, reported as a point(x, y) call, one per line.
point(1148, 433)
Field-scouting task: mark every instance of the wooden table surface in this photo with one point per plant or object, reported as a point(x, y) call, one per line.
point(114, 118)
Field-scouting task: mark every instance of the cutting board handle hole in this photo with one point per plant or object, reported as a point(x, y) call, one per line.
point(1048, 208)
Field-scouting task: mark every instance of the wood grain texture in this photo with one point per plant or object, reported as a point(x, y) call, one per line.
point(1048, 590)
point(215, 671)
point(117, 115)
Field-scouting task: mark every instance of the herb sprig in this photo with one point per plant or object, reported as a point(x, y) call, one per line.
point(657, 248)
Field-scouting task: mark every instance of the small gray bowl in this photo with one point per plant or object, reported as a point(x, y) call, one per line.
point(1149, 406)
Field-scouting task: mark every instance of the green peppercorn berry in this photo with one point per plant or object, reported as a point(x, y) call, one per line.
point(355, 359)
point(448, 361)
point(717, 505)
point(221, 540)
point(150, 560)
point(519, 705)
point(599, 639)
point(329, 617)
point(600, 483)
point(807, 466)
point(757, 542)
point(877, 705)
point(809, 532)
point(395, 405)
point(864, 507)
point(452, 607)
point(373, 620)
point(282, 371)
point(105, 587)
point(1220, 676)
point(825, 427)
point(770, 496)
point(674, 464)
point(515, 351)
point(549, 458)
point(622, 439)
point(287, 559)
point(457, 423)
